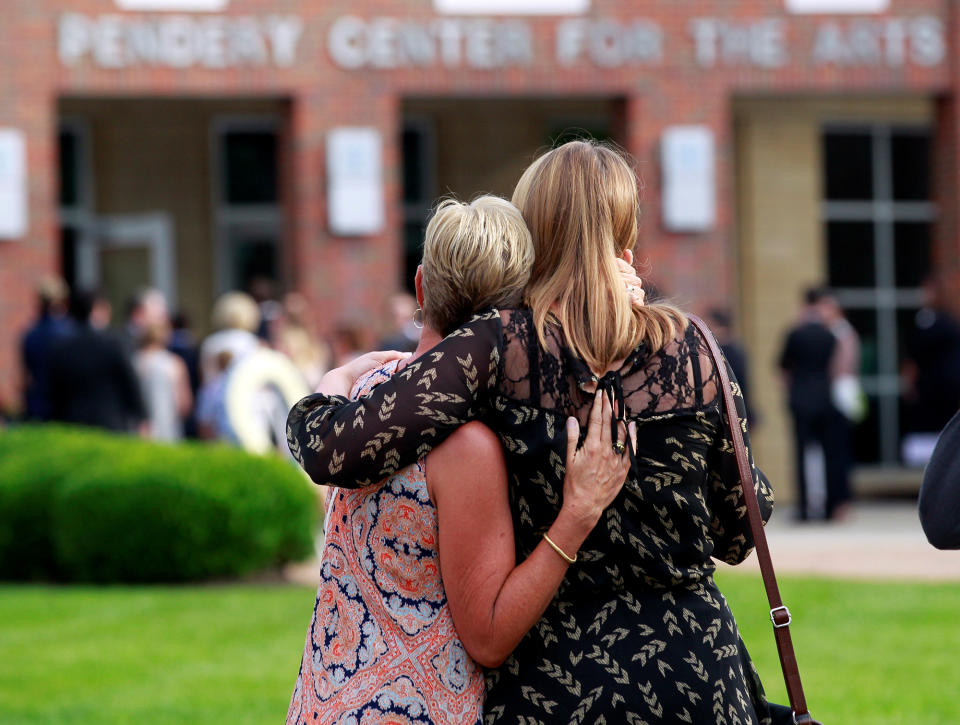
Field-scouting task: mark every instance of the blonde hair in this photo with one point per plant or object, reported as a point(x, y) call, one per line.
point(475, 255)
point(581, 204)
point(155, 333)
point(235, 311)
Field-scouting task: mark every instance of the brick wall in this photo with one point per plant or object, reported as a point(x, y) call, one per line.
point(355, 274)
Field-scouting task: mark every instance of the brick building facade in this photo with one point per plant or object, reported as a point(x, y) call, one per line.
point(133, 116)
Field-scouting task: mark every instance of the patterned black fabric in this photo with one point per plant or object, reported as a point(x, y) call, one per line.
point(639, 632)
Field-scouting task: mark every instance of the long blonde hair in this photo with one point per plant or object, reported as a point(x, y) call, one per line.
point(581, 205)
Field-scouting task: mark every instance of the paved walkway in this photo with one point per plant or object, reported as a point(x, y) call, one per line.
point(879, 540)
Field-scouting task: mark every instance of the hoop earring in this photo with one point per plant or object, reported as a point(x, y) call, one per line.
point(418, 318)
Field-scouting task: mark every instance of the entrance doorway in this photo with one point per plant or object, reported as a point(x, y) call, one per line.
point(180, 194)
point(468, 147)
point(833, 192)
point(125, 253)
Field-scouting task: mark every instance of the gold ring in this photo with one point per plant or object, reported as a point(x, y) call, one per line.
point(619, 447)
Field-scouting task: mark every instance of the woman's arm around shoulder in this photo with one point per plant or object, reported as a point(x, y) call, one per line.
point(494, 602)
point(355, 443)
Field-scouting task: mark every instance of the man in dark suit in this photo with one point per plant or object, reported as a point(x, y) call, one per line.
point(51, 325)
point(92, 381)
point(822, 448)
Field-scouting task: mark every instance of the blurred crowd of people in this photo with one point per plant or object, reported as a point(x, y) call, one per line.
point(821, 363)
point(151, 376)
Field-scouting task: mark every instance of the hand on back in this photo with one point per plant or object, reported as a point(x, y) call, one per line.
point(597, 470)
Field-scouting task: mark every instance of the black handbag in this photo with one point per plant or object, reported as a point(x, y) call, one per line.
point(797, 713)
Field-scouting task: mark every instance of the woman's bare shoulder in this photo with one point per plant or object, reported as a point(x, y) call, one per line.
point(472, 441)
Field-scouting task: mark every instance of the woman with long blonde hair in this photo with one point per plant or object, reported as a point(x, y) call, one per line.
point(638, 631)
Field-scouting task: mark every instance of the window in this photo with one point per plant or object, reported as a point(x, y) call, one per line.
point(419, 158)
point(247, 213)
point(877, 222)
point(76, 197)
point(173, 5)
point(511, 7)
point(837, 6)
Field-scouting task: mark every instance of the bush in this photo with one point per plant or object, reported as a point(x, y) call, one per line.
point(34, 460)
point(110, 508)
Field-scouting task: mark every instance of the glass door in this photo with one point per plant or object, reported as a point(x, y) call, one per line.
point(125, 253)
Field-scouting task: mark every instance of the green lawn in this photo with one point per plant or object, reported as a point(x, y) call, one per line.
point(882, 654)
point(150, 656)
point(869, 652)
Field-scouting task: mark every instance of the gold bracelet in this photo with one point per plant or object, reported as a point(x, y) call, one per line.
point(559, 550)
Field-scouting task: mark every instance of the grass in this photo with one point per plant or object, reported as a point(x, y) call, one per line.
point(869, 652)
point(156, 656)
point(878, 653)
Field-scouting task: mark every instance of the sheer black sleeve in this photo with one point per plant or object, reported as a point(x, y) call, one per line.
point(351, 444)
point(730, 527)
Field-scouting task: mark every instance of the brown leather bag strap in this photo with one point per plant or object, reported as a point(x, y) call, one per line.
point(779, 614)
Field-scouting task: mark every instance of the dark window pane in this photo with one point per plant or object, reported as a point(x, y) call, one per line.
point(251, 167)
point(906, 326)
point(848, 166)
point(911, 166)
point(69, 169)
point(911, 252)
point(865, 323)
point(561, 134)
point(68, 255)
point(414, 172)
point(866, 434)
point(413, 231)
point(850, 254)
point(254, 257)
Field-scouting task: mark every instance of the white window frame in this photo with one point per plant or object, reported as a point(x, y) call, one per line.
point(228, 216)
point(153, 231)
point(189, 6)
point(511, 7)
point(884, 298)
point(837, 7)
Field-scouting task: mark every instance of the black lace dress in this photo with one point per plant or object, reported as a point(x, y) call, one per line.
point(639, 631)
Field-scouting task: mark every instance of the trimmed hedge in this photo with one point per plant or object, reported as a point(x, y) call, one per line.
point(83, 505)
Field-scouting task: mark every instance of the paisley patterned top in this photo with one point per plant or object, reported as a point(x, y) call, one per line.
point(382, 647)
point(638, 631)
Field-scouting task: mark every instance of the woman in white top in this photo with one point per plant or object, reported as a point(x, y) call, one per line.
point(165, 384)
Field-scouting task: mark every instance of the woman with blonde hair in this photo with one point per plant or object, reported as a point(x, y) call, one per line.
point(405, 561)
point(638, 631)
point(164, 383)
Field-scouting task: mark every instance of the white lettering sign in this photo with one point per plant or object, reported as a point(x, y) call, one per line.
point(179, 41)
point(689, 187)
point(761, 43)
point(392, 43)
point(512, 7)
point(13, 184)
point(355, 203)
point(608, 43)
point(892, 42)
point(384, 43)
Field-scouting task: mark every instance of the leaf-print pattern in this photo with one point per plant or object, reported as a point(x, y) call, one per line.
point(639, 631)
